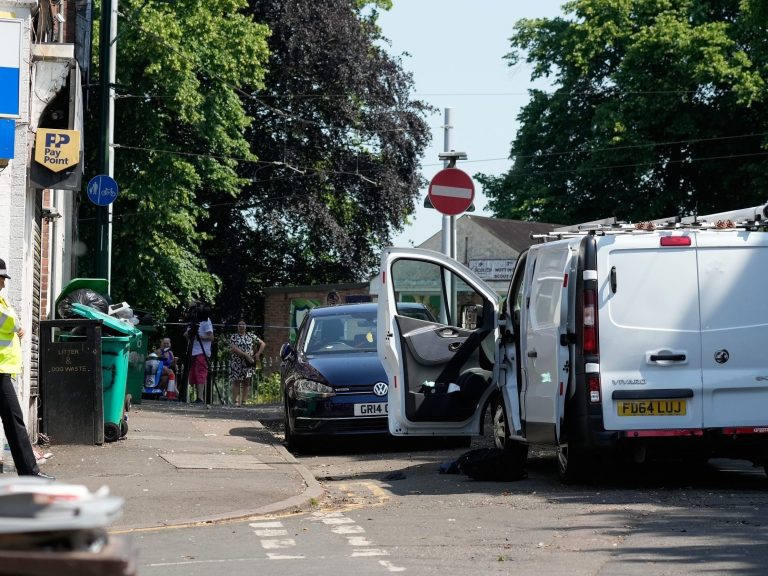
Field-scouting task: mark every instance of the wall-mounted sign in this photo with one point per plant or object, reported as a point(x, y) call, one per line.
point(10, 67)
point(493, 269)
point(57, 149)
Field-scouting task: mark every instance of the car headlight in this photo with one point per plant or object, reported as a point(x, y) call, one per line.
point(314, 389)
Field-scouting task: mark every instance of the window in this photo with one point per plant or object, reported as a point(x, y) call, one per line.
point(447, 296)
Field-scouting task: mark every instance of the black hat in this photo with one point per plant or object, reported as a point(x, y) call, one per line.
point(3, 270)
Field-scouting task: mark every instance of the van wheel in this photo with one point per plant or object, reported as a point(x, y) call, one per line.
point(516, 451)
point(499, 423)
point(572, 464)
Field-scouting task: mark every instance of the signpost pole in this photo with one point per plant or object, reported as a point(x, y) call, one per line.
point(448, 221)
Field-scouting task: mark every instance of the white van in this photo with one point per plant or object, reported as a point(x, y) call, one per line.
point(609, 341)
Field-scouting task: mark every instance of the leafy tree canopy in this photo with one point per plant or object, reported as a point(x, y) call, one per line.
point(179, 126)
point(338, 139)
point(657, 108)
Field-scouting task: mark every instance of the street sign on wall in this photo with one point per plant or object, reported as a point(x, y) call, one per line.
point(102, 190)
point(10, 67)
point(451, 191)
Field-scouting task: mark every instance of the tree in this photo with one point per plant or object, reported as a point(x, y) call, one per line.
point(658, 108)
point(179, 127)
point(338, 139)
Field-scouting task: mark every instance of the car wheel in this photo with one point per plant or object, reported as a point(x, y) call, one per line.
point(293, 442)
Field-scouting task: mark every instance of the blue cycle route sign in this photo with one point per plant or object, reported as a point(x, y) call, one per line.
point(102, 190)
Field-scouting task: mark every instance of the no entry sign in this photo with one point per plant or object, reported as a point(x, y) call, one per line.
point(451, 191)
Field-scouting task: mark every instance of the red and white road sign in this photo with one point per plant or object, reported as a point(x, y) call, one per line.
point(451, 191)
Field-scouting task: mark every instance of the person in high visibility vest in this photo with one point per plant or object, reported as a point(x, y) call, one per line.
point(10, 364)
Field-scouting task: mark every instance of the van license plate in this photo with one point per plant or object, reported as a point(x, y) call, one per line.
point(651, 407)
point(371, 409)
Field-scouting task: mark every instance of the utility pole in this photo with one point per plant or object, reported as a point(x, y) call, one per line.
point(107, 56)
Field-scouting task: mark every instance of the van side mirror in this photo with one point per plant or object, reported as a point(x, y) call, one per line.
point(286, 351)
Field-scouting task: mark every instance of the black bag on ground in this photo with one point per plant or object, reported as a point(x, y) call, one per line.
point(491, 464)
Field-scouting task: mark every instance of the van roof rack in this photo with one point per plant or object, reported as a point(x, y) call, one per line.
point(746, 218)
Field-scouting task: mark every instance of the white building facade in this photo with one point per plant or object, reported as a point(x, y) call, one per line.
point(35, 234)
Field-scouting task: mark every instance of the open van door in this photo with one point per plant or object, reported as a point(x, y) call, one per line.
point(441, 373)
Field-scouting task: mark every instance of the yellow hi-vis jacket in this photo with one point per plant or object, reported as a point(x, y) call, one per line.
point(10, 346)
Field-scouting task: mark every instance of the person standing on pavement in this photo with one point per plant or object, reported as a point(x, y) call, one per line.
point(11, 333)
point(243, 361)
point(201, 355)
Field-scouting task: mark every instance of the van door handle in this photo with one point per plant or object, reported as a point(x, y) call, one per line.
point(447, 333)
point(453, 346)
point(667, 357)
point(533, 354)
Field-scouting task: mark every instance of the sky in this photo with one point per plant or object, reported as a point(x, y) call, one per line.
point(456, 50)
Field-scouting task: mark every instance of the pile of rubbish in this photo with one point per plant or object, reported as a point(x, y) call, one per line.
point(92, 299)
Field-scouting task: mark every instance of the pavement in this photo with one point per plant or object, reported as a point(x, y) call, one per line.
point(183, 464)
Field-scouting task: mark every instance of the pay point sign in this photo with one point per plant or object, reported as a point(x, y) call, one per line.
point(56, 149)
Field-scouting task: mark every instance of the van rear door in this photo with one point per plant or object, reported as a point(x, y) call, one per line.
point(649, 331)
point(734, 326)
point(548, 294)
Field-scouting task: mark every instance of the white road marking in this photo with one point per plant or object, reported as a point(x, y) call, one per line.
point(332, 521)
point(348, 529)
point(369, 552)
point(326, 514)
point(266, 524)
point(391, 567)
point(267, 532)
point(358, 541)
point(275, 544)
point(344, 526)
point(276, 556)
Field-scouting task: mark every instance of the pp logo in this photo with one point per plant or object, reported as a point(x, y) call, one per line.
point(721, 356)
point(52, 139)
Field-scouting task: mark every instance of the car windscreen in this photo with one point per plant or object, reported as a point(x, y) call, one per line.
point(342, 333)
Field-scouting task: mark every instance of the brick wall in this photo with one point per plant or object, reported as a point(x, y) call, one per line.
point(277, 312)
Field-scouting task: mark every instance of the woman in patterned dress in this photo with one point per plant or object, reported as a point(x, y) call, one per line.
point(243, 361)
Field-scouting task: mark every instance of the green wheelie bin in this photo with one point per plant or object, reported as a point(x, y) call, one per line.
point(114, 368)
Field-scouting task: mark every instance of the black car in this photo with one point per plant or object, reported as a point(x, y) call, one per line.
point(332, 380)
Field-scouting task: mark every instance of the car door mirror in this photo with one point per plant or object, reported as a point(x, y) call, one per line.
point(286, 351)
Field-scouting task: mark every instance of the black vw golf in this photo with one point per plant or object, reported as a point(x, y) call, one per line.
point(332, 380)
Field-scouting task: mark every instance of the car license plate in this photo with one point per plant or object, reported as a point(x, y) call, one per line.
point(651, 407)
point(371, 409)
